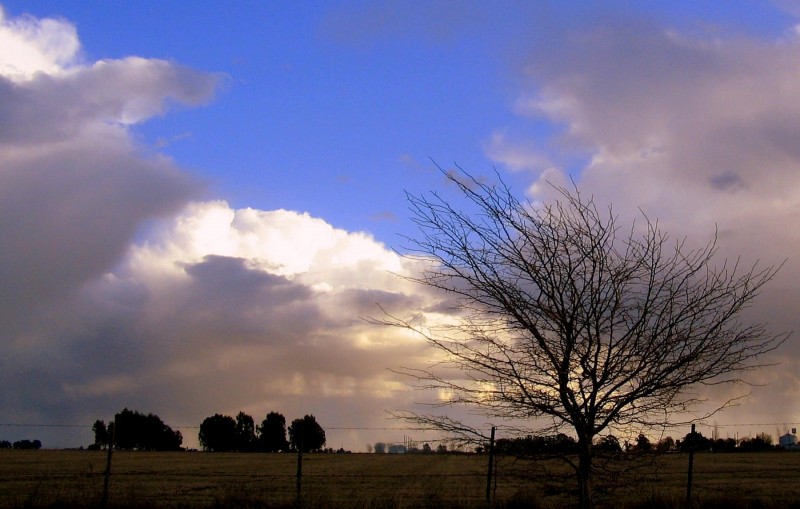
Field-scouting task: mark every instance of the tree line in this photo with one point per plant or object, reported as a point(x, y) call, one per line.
point(133, 430)
point(223, 433)
point(21, 444)
point(562, 444)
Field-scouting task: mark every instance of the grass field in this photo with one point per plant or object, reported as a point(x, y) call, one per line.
point(75, 479)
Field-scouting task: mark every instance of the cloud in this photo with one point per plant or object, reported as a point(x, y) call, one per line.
point(34, 46)
point(700, 133)
point(75, 189)
point(230, 309)
point(119, 288)
point(74, 186)
point(516, 155)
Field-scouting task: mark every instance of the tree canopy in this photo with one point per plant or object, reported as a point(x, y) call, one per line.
point(144, 432)
point(101, 436)
point(218, 433)
point(569, 316)
point(245, 433)
point(272, 433)
point(308, 432)
point(223, 433)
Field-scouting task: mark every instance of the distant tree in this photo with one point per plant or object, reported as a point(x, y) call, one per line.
point(766, 438)
point(608, 444)
point(5, 444)
point(144, 432)
point(369, 448)
point(760, 442)
point(272, 433)
point(666, 444)
point(308, 432)
point(27, 445)
point(724, 445)
point(218, 433)
point(245, 433)
point(101, 437)
point(694, 441)
point(642, 444)
point(380, 447)
point(426, 448)
point(531, 445)
point(441, 448)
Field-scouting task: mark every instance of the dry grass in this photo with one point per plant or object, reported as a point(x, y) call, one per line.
point(371, 481)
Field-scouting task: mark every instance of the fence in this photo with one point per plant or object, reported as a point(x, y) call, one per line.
point(410, 480)
point(197, 479)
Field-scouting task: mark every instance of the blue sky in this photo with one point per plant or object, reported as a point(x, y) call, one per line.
point(336, 107)
point(214, 207)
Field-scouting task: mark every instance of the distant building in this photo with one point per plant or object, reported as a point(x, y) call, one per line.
point(789, 440)
point(397, 449)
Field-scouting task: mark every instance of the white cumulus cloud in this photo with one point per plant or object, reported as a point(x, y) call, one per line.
point(32, 46)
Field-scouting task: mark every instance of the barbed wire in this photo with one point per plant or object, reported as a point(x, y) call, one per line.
point(383, 428)
point(24, 425)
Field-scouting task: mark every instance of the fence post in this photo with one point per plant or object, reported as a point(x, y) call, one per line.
point(489, 472)
point(300, 468)
point(691, 466)
point(107, 475)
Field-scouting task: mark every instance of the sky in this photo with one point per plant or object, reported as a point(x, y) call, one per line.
point(200, 202)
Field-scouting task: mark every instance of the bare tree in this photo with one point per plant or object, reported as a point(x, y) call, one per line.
point(567, 316)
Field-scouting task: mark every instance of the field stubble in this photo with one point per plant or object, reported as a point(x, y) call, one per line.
point(191, 479)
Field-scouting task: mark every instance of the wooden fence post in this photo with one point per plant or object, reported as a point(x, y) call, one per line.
point(691, 466)
point(107, 475)
point(300, 469)
point(489, 472)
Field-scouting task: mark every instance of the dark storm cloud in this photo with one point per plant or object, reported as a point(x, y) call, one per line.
point(74, 190)
point(67, 215)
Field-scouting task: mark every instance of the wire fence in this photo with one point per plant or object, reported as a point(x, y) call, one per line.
point(195, 478)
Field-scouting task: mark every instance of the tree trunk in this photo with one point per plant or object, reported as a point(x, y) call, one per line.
point(584, 473)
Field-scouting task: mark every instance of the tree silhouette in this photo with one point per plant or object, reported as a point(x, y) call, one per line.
point(567, 315)
point(27, 445)
point(724, 445)
point(308, 432)
point(245, 433)
point(694, 441)
point(136, 431)
point(666, 444)
point(760, 442)
point(608, 444)
point(218, 433)
point(643, 444)
point(272, 433)
point(101, 436)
